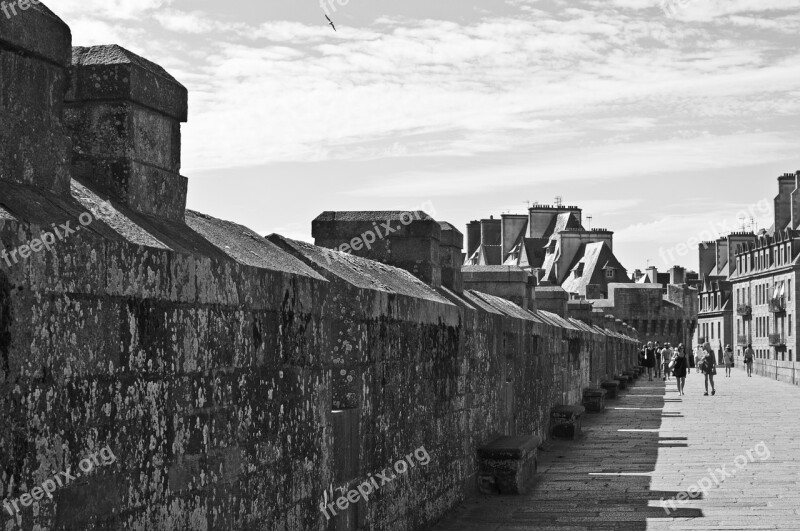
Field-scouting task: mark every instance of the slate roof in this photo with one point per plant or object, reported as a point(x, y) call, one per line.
point(360, 272)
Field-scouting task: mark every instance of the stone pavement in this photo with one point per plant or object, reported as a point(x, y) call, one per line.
point(615, 479)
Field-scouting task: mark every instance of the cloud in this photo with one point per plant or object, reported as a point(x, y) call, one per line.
point(698, 154)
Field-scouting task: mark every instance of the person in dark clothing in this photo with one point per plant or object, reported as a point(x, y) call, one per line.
point(649, 360)
point(680, 366)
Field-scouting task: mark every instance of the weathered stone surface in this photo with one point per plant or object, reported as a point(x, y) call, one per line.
point(112, 73)
point(612, 389)
point(594, 400)
point(33, 142)
point(507, 465)
point(565, 422)
point(37, 31)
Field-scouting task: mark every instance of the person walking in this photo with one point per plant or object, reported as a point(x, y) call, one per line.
point(649, 360)
point(666, 358)
point(749, 354)
point(658, 360)
point(691, 362)
point(728, 358)
point(679, 366)
point(708, 366)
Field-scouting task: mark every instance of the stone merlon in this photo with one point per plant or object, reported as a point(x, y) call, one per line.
point(124, 113)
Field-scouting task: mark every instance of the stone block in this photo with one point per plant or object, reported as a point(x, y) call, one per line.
point(143, 188)
point(112, 73)
point(624, 380)
point(594, 400)
point(612, 389)
point(565, 422)
point(507, 464)
point(34, 145)
point(38, 31)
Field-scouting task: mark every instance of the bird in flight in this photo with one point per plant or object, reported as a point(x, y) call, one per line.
point(331, 23)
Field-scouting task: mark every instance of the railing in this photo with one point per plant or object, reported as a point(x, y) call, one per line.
point(744, 310)
point(777, 305)
point(777, 340)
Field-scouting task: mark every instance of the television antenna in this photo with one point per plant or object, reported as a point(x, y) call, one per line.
point(589, 222)
point(559, 201)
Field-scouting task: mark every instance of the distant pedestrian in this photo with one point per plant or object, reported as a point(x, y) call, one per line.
point(666, 358)
point(658, 350)
point(728, 358)
point(679, 366)
point(708, 366)
point(649, 360)
point(748, 360)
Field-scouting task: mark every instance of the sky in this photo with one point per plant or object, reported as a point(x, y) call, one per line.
point(667, 121)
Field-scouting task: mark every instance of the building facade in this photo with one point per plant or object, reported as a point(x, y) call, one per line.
point(764, 280)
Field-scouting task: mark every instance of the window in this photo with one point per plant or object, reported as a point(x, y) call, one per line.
point(789, 291)
point(789, 327)
point(719, 330)
point(610, 272)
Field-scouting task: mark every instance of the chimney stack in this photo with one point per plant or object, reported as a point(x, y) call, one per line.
point(787, 183)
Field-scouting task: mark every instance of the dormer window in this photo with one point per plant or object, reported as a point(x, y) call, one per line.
point(610, 272)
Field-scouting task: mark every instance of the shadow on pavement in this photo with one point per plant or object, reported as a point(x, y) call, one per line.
point(600, 482)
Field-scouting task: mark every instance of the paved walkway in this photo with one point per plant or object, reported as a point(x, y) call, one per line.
point(615, 479)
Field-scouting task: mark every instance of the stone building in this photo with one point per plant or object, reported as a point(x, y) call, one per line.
point(571, 263)
point(764, 278)
point(715, 303)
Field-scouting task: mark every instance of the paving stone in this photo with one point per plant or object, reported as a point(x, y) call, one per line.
point(639, 471)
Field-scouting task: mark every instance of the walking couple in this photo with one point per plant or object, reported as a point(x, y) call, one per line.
point(680, 367)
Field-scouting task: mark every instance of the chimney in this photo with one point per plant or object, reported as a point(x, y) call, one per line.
point(124, 113)
point(796, 202)
point(677, 275)
point(35, 48)
point(451, 257)
point(411, 241)
point(491, 240)
point(653, 272)
point(783, 201)
point(491, 231)
point(708, 257)
point(473, 237)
